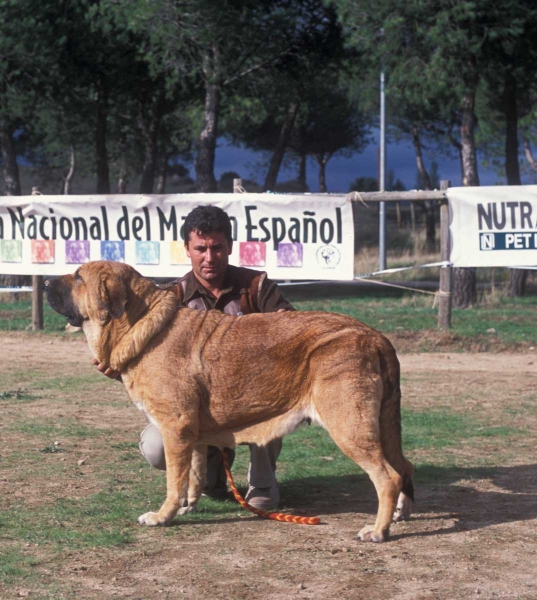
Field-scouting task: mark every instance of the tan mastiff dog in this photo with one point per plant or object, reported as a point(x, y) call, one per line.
point(210, 378)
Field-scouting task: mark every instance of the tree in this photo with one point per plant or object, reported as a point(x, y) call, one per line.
point(221, 44)
point(331, 126)
point(301, 108)
point(26, 48)
point(364, 184)
point(511, 70)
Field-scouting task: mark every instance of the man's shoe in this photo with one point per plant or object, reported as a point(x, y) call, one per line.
point(266, 498)
point(217, 492)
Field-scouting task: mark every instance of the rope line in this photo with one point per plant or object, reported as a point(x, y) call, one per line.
point(265, 514)
point(401, 287)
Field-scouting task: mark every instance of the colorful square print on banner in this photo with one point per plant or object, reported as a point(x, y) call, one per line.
point(77, 252)
point(178, 254)
point(147, 253)
point(252, 254)
point(11, 251)
point(43, 251)
point(113, 251)
point(289, 255)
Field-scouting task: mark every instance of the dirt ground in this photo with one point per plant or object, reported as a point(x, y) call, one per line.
point(473, 532)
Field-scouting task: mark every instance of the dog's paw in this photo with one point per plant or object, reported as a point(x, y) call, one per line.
point(187, 509)
point(367, 534)
point(151, 519)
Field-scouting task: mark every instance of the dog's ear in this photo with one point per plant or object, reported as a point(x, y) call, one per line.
point(113, 295)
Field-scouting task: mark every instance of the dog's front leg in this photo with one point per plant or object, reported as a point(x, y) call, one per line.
point(178, 449)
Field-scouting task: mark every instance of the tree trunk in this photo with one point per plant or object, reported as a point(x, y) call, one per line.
point(122, 179)
point(12, 188)
point(9, 160)
point(302, 184)
point(281, 147)
point(470, 176)
point(103, 172)
point(150, 131)
point(207, 139)
point(412, 216)
point(419, 158)
point(464, 280)
point(510, 110)
point(517, 282)
point(464, 287)
point(398, 216)
point(322, 177)
point(71, 173)
point(455, 143)
point(529, 155)
point(428, 207)
point(162, 173)
point(517, 277)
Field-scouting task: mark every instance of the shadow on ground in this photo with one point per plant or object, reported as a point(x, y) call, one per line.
point(462, 494)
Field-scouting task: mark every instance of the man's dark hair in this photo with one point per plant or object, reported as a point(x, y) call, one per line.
point(206, 219)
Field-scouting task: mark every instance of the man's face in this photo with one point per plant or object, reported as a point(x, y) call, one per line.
point(209, 254)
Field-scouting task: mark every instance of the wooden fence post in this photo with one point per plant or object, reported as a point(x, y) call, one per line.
point(37, 290)
point(444, 292)
point(37, 302)
point(237, 186)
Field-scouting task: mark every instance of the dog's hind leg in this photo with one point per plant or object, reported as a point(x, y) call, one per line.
point(388, 484)
point(390, 431)
point(198, 472)
point(178, 441)
point(354, 419)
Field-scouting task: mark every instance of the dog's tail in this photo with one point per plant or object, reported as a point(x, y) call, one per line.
point(390, 419)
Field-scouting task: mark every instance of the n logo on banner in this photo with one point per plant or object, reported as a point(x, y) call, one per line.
point(487, 241)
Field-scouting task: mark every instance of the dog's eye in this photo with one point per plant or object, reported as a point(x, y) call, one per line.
point(77, 276)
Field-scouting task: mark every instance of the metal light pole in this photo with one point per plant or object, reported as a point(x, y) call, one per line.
point(382, 176)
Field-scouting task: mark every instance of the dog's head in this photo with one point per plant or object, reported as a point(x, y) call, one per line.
point(96, 291)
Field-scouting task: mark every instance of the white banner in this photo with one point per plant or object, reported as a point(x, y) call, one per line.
point(493, 226)
point(290, 237)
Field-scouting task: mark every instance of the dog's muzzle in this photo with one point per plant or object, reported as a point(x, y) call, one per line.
point(59, 297)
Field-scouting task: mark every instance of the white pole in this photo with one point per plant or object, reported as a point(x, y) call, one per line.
point(382, 177)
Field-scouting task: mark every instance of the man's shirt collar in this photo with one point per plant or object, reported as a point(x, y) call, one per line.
point(194, 288)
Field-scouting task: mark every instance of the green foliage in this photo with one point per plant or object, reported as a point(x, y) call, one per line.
point(17, 317)
point(437, 429)
point(364, 184)
point(18, 394)
point(513, 320)
point(146, 67)
point(14, 564)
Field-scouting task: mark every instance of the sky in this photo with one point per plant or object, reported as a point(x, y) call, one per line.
point(340, 172)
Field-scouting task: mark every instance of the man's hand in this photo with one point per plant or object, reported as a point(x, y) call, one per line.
point(106, 370)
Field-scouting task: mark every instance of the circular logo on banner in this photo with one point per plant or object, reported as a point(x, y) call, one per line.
point(328, 257)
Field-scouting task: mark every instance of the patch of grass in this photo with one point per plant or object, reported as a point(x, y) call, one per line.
point(51, 449)
point(436, 429)
point(124, 446)
point(513, 319)
point(310, 462)
point(386, 309)
point(70, 384)
point(17, 316)
point(61, 427)
point(98, 521)
point(310, 455)
point(19, 395)
point(14, 564)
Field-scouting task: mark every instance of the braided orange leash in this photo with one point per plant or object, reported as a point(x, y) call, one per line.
point(265, 514)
